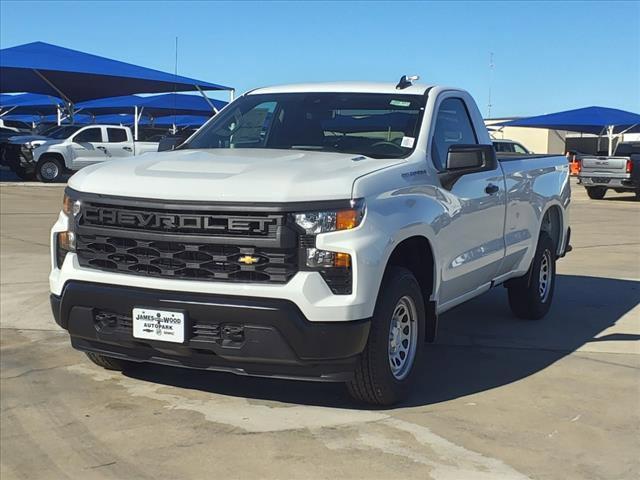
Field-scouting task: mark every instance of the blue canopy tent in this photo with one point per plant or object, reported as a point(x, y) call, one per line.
point(595, 120)
point(153, 106)
point(29, 103)
point(24, 118)
point(76, 76)
point(181, 121)
point(110, 119)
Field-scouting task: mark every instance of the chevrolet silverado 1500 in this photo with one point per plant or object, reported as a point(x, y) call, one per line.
point(311, 231)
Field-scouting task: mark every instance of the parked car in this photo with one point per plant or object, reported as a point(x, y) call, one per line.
point(621, 172)
point(86, 146)
point(510, 147)
point(310, 232)
point(16, 151)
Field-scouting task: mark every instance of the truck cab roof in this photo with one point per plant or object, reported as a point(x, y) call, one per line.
point(346, 87)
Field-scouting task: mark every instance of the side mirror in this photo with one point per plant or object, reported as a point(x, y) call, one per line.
point(470, 157)
point(463, 159)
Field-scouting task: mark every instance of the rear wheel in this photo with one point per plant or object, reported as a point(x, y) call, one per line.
point(530, 296)
point(49, 169)
point(596, 193)
point(108, 362)
point(387, 366)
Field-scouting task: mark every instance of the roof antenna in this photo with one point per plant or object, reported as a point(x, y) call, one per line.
point(174, 88)
point(407, 81)
point(491, 67)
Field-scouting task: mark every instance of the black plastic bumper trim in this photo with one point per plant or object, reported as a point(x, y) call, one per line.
point(277, 338)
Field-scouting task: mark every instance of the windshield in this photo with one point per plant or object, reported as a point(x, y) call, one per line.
point(376, 125)
point(64, 132)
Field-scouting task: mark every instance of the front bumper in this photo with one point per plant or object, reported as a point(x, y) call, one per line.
point(18, 156)
point(269, 337)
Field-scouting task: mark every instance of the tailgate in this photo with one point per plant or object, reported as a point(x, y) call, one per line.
point(604, 166)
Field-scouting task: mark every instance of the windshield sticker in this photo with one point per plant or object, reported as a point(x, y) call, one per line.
point(400, 103)
point(407, 142)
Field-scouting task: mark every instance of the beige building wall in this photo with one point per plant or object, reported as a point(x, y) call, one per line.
point(538, 140)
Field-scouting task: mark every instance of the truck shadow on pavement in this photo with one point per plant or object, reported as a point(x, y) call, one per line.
point(480, 346)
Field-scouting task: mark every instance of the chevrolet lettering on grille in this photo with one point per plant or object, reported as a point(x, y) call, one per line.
point(112, 217)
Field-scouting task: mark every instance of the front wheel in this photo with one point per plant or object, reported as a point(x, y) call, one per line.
point(49, 169)
point(387, 366)
point(23, 174)
point(109, 363)
point(596, 193)
point(530, 296)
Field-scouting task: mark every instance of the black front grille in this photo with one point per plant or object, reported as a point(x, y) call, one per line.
point(186, 260)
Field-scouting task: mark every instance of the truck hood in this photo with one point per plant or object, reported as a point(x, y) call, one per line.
point(21, 139)
point(230, 175)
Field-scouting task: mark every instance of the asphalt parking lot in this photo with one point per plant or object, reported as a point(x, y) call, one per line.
point(500, 398)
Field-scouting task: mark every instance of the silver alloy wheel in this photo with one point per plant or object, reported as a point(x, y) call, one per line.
point(403, 337)
point(49, 170)
point(544, 279)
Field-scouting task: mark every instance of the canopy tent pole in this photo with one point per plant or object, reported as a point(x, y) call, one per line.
point(69, 103)
point(232, 94)
point(2, 114)
point(611, 137)
point(215, 110)
point(135, 123)
point(58, 115)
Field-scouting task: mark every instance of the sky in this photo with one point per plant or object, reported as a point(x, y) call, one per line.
point(548, 56)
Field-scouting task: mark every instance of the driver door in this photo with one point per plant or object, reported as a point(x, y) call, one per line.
point(473, 238)
point(88, 147)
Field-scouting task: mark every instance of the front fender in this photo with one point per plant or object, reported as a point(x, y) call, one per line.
point(390, 219)
point(60, 150)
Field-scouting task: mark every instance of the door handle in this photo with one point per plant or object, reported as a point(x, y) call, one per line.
point(491, 189)
point(99, 147)
point(128, 149)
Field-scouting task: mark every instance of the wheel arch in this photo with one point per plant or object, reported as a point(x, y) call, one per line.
point(416, 254)
point(553, 223)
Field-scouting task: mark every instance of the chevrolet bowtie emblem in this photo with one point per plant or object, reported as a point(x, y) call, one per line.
point(248, 260)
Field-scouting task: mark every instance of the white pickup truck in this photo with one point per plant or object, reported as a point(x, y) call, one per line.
point(86, 146)
point(312, 232)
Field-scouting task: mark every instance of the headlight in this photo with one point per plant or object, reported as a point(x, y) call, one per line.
point(70, 206)
point(65, 243)
point(314, 223)
point(335, 267)
point(34, 144)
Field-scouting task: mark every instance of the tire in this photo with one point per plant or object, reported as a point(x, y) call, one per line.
point(530, 297)
point(24, 174)
point(596, 193)
point(400, 302)
point(49, 169)
point(109, 363)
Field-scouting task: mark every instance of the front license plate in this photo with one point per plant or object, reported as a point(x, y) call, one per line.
point(161, 325)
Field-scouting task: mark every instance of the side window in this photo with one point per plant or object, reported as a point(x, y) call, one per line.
point(89, 135)
point(247, 130)
point(519, 149)
point(453, 126)
point(116, 135)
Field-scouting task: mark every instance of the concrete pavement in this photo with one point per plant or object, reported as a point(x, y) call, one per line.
point(499, 397)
